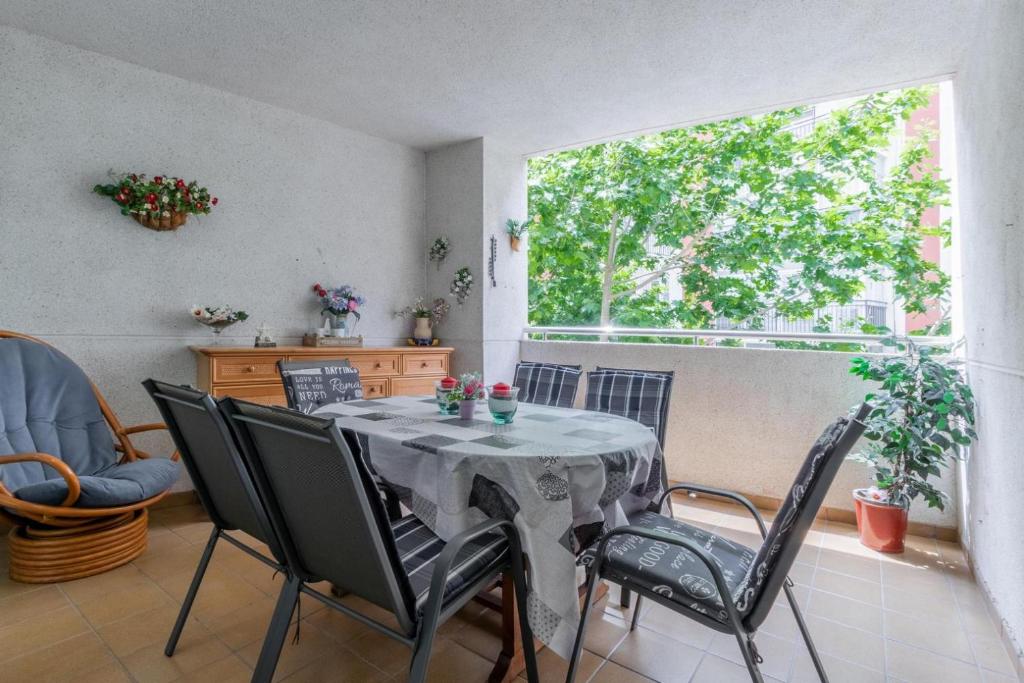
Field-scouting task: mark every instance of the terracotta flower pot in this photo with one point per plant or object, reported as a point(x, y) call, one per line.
point(172, 222)
point(514, 241)
point(882, 526)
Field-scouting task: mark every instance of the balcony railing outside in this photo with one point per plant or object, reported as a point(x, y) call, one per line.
point(836, 317)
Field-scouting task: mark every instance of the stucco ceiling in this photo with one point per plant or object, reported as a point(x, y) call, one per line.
point(536, 74)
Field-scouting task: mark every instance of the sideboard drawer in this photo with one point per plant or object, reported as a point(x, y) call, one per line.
point(267, 394)
point(376, 365)
point(245, 368)
point(424, 364)
point(375, 388)
point(413, 386)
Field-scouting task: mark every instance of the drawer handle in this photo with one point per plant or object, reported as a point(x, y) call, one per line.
point(251, 368)
point(423, 364)
point(376, 365)
point(372, 390)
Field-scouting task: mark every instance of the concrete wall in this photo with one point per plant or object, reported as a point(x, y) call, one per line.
point(743, 419)
point(301, 201)
point(989, 118)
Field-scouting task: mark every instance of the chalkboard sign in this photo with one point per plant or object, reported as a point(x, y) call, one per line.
point(308, 388)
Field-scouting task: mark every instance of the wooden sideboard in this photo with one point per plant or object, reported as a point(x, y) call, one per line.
point(251, 374)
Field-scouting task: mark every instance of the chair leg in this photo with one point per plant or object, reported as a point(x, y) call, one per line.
point(750, 656)
point(186, 606)
point(421, 653)
point(636, 612)
point(574, 658)
point(624, 598)
point(277, 631)
point(818, 666)
point(519, 579)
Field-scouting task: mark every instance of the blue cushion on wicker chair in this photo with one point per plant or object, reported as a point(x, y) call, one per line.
point(47, 405)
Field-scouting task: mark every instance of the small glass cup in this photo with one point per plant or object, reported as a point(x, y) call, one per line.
point(447, 400)
point(503, 404)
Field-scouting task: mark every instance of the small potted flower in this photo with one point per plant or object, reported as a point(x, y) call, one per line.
point(217, 318)
point(516, 230)
point(469, 390)
point(426, 317)
point(337, 304)
point(922, 416)
point(163, 203)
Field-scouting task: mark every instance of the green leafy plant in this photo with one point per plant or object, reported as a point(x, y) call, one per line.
point(516, 229)
point(922, 417)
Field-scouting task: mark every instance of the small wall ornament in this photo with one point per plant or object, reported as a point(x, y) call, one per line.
point(516, 230)
point(439, 250)
point(462, 285)
point(163, 203)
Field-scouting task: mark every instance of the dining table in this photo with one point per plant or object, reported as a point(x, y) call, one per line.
point(562, 475)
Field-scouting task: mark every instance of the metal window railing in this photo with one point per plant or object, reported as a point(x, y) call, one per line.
point(612, 334)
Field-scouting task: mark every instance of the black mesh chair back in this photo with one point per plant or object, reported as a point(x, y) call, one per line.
point(311, 384)
point(322, 503)
point(219, 475)
point(780, 547)
point(640, 395)
point(548, 384)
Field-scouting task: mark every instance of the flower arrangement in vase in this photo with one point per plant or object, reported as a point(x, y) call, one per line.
point(469, 390)
point(217, 318)
point(426, 318)
point(163, 203)
point(338, 303)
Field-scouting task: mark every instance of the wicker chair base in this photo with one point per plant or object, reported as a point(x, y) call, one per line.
point(49, 554)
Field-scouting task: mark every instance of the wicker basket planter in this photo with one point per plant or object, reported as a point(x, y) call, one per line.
point(172, 222)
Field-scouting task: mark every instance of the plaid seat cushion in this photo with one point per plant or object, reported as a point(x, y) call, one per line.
point(548, 384)
point(419, 548)
point(672, 571)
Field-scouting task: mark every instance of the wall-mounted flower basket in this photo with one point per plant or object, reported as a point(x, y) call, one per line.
point(516, 231)
point(163, 203)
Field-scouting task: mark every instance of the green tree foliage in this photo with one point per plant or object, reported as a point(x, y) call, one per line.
point(724, 208)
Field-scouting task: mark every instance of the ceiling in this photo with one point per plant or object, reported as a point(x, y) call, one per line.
point(536, 75)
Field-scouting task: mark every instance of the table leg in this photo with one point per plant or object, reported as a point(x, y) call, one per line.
point(511, 660)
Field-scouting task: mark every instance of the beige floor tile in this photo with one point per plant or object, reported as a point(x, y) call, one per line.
point(802, 574)
point(978, 621)
point(482, 635)
point(311, 645)
point(849, 612)
point(220, 593)
point(243, 626)
point(69, 660)
point(867, 568)
point(228, 670)
point(778, 654)
point(919, 666)
point(941, 637)
point(338, 665)
point(838, 670)
point(29, 605)
point(993, 677)
point(133, 633)
point(927, 601)
point(123, 578)
point(781, 623)
point(676, 626)
point(656, 656)
point(553, 668)
point(10, 587)
point(170, 561)
point(611, 672)
point(846, 642)
point(112, 672)
point(390, 655)
point(991, 655)
point(194, 532)
point(604, 633)
point(714, 669)
point(196, 650)
point(449, 661)
point(848, 587)
point(344, 629)
point(123, 603)
point(40, 631)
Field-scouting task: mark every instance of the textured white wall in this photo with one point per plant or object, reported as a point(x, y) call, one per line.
point(301, 200)
point(989, 118)
point(743, 419)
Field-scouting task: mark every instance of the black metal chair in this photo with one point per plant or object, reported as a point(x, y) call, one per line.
point(311, 384)
point(221, 479)
point(548, 384)
point(712, 580)
point(320, 502)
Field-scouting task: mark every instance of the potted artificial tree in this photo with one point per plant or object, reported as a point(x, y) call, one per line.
point(923, 416)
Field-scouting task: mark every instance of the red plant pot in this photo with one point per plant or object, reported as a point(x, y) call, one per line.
point(882, 526)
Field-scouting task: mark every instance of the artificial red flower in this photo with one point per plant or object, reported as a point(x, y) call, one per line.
point(135, 178)
point(214, 201)
point(159, 179)
point(180, 184)
point(199, 205)
point(151, 198)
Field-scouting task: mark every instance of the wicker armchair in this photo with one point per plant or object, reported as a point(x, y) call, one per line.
point(80, 509)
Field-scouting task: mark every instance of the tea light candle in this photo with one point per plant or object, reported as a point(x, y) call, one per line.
point(501, 389)
point(449, 383)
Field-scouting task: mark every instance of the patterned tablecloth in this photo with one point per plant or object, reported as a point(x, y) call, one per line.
point(561, 474)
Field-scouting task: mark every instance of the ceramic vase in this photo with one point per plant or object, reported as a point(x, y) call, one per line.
point(467, 407)
point(422, 331)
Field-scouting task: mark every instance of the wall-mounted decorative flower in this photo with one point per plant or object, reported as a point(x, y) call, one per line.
point(462, 285)
point(163, 203)
point(439, 250)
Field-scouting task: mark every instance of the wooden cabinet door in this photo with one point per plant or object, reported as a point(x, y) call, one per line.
point(413, 386)
point(267, 394)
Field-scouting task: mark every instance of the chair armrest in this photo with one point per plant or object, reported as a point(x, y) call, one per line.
point(126, 447)
point(444, 561)
point(718, 493)
point(684, 543)
point(74, 488)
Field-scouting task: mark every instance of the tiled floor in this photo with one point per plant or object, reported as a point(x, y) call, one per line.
point(914, 617)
